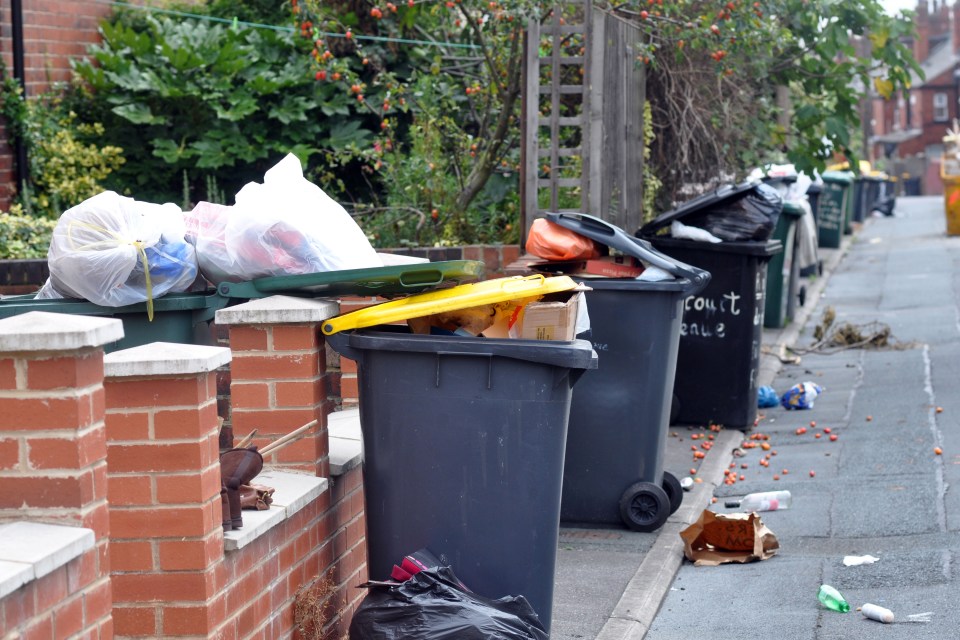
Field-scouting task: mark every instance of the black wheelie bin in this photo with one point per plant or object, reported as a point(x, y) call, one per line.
point(464, 441)
point(720, 336)
point(620, 413)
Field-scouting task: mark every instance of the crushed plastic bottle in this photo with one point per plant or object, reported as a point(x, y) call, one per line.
point(878, 613)
point(764, 501)
point(832, 599)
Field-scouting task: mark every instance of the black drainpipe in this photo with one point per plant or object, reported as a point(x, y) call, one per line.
point(19, 148)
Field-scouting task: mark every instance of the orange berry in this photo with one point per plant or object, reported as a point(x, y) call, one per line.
point(765, 446)
point(826, 429)
point(869, 418)
point(939, 409)
point(698, 480)
point(937, 450)
point(695, 436)
point(813, 423)
point(833, 437)
point(693, 471)
point(816, 435)
point(713, 500)
point(776, 477)
point(812, 473)
point(785, 472)
point(743, 477)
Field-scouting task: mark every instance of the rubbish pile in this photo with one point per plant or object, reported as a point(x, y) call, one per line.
point(115, 251)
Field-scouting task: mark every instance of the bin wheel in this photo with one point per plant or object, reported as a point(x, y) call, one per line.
point(674, 491)
point(644, 506)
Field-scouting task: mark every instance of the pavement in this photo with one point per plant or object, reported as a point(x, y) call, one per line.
point(616, 584)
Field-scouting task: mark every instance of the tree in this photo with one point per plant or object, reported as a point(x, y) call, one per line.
point(714, 70)
point(443, 82)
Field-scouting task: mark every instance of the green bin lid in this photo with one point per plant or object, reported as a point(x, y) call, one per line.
point(838, 177)
point(374, 281)
point(792, 209)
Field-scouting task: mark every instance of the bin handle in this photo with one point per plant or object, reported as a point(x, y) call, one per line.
point(422, 283)
point(340, 342)
point(593, 227)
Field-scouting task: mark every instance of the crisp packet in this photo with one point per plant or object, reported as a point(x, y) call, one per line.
point(801, 395)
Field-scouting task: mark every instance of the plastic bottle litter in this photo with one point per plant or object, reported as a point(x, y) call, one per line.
point(878, 613)
point(832, 599)
point(801, 395)
point(764, 501)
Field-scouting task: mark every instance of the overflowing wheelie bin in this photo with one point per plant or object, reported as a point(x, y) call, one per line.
point(620, 413)
point(186, 317)
point(464, 438)
point(720, 335)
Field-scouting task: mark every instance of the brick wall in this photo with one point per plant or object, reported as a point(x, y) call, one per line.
point(280, 379)
point(135, 458)
point(53, 466)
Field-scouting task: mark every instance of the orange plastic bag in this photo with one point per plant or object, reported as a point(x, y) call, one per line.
point(550, 241)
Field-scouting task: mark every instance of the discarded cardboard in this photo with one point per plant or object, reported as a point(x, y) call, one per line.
point(550, 319)
point(720, 538)
point(604, 266)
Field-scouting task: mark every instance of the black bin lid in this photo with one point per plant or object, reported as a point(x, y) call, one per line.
point(615, 237)
point(709, 200)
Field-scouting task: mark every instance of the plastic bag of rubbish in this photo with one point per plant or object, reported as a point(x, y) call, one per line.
point(767, 397)
point(285, 226)
point(801, 395)
point(433, 605)
point(750, 217)
point(115, 251)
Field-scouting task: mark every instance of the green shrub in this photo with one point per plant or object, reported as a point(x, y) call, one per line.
point(66, 163)
point(212, 100)
point(24, 237)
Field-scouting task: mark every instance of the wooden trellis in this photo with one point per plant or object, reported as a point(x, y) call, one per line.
point(583, 140)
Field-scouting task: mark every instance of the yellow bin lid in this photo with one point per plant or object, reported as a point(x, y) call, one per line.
point(452, 299)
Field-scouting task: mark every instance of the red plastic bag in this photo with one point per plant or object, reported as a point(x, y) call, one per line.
point(550, 241)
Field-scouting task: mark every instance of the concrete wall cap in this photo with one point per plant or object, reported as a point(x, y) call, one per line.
point(45, 331)
point(279, 310)
point(164, 358)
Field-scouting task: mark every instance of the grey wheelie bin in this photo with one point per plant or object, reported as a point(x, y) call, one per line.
point(722, 328)
point(464, 441)
point(620, 413)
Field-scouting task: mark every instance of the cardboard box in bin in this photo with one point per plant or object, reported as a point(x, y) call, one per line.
point(604, 266)
point(552, 318)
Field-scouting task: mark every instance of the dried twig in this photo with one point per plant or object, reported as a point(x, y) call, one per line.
point(287, 439)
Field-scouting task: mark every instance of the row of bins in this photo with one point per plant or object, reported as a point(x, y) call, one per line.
point(478, 448)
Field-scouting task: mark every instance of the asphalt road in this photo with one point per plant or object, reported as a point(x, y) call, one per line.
point(879, 488)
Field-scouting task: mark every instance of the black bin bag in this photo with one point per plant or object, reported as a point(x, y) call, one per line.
point(752, 216)
point(432, 605)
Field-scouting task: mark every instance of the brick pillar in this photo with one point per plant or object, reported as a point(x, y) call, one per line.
point(53, 454)
point(164, 488)
point(278, 378)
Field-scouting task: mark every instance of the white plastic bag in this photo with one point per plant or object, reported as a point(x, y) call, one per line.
point(114, 251)
point(285, 226)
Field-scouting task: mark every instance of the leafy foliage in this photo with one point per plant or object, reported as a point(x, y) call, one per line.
point(213, 101)
point(714, 69)
point(67, 162)
point(443, 81)
point(24, 237)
